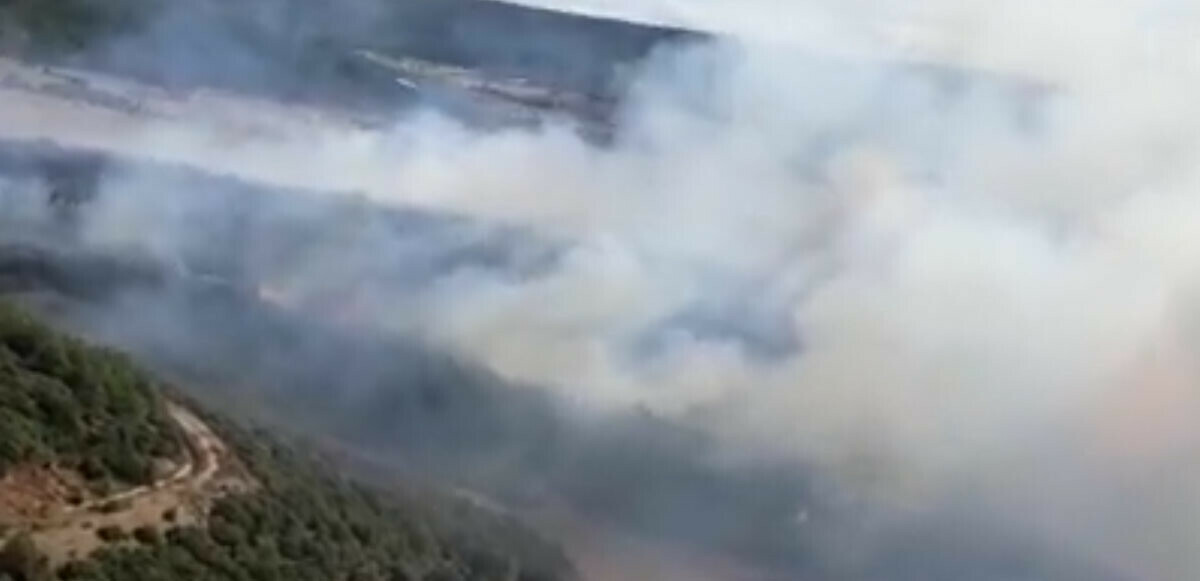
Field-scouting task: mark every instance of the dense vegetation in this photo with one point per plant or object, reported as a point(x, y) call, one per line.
point(77, 406)
point(303, 521)
point(308, 525)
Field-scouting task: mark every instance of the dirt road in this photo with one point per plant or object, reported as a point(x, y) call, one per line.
point(178, 499)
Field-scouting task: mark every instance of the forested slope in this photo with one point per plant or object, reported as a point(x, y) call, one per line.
point(77, 407)
point(307, 524)
point(66, 402)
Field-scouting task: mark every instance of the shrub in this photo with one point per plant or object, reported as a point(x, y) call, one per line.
point(147, 535)
point(111, 534)
point(20, 559)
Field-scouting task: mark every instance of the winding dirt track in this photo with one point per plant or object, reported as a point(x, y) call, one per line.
point(71, 532)
point(204, 450)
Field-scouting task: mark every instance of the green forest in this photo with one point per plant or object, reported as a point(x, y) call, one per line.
point(309, 525)
point(65, 403)
point(68, 403)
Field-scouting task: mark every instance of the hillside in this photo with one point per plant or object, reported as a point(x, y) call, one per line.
point(292, 517)
point(393, 398)
point(304, 49)
point(84, 409)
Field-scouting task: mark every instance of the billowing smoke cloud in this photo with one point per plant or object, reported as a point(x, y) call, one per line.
point(962, 288)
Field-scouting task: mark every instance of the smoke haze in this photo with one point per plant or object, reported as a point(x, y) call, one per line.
point(955, 280)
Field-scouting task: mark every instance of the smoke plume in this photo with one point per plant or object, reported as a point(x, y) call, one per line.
point(945, 265)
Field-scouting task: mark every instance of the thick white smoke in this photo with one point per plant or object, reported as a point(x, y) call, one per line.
point(992, 296)
point(983, 308)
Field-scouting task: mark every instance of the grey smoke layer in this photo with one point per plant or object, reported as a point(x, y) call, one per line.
point(882, 322)
point(196, 305)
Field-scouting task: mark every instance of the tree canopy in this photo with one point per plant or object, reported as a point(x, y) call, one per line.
point(83, 407)
point(77, 406)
